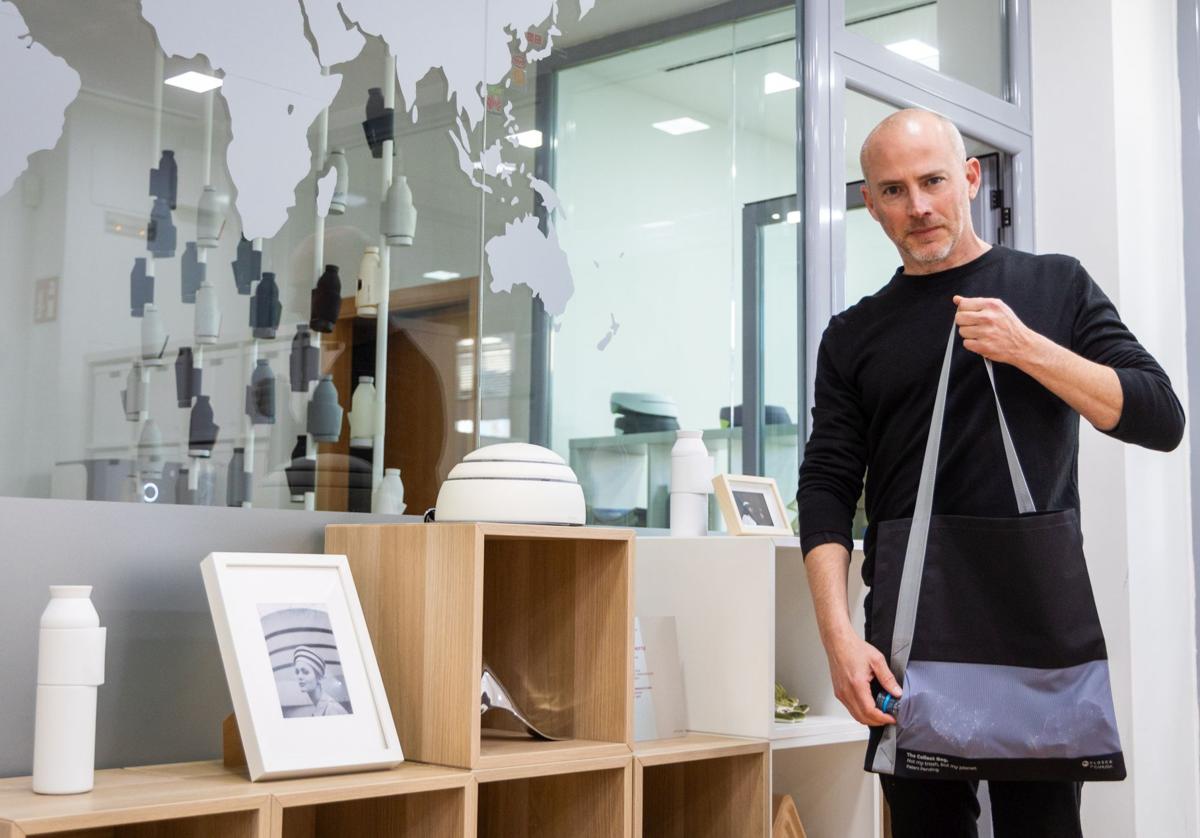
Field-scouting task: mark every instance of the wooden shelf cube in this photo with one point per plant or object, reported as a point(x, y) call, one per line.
point(701, 786)
point(582, 799)
point(548, 608)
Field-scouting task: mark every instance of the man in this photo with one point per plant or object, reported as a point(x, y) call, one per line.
point(1060, 352)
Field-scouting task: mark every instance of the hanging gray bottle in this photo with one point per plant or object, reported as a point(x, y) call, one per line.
point(160, 232)
point(260, 394)
point(141, 287)
point(246, 267)
point(304, 364)
point(187, 377)
point(237, 480)
point(191, 273)
point(164, 180)
point(324, 412)
point(202, 431)
point(265, 308)
point(301, 473)
point(326, 300)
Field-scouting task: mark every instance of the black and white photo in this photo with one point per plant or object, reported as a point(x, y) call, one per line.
point(304, 659)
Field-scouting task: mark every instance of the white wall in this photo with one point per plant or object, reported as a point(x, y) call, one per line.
point(1107, 192)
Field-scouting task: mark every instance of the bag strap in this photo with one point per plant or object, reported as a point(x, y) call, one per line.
point(918, 534)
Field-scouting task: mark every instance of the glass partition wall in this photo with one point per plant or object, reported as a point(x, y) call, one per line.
point(199, 265)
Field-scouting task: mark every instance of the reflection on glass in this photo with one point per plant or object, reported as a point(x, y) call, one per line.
point(964, 39)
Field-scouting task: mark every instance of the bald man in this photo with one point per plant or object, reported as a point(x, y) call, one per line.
point(1060, 352)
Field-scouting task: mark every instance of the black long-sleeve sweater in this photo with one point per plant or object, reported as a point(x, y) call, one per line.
point(877, 371)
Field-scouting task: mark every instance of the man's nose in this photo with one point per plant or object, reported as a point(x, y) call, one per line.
point(918, 204)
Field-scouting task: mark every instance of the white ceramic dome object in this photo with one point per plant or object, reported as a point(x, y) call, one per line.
point(512, 482)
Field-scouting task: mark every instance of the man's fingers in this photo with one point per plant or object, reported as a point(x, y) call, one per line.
point(883, 674)
point(868, 713)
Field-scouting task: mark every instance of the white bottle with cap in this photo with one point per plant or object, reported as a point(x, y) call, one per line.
point(70, 668)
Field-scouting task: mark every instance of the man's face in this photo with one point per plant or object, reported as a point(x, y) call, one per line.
point(920, 193)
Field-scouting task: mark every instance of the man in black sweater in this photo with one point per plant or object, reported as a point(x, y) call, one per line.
point(1060, 352)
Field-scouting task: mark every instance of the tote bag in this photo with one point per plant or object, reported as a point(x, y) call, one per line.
point(990, 626)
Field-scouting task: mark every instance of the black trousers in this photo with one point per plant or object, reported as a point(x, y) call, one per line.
point(949, 808)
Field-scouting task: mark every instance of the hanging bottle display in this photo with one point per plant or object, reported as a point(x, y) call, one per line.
point(133, 397)
point(378, 126)
point(183, 495)
point(160, 232)
point(141, 287)
point(388, 498)
point(210, 218)
point(237, 481)
point(206, 483)
point(301, 472)
point(341, 187)
point(398, 217)
point(260, 394)
point(208, 315)
point(366, 297)
point(265, 308)
point(187, 377)
point(304, 364)
point(191, 273)
point(247, 267)
point(324, 412)
point(326, 300)
point(164, 180)
point(202, 431)
point(154, 338)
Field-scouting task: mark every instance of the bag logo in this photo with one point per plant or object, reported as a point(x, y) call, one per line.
point(1098, 764)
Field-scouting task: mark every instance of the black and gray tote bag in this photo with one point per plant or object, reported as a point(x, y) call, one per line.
point(990, 626)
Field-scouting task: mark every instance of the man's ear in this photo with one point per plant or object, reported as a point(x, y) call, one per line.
point(866, 193)
point(974, 176)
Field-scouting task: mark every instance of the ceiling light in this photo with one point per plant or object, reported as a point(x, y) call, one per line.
point(529, 139)
point(193, 81)
point(442, 275)
point(793, 217)
point(778, 82)
point(916, 50)
point(682, 125)
point(654, 225)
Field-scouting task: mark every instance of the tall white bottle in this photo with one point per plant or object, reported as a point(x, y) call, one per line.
point(691, 483)
point(208, 315)
point(70, 668)
point(389, 497)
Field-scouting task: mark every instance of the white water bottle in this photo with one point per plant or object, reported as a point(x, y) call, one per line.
point(389, 497)
point(70, 668)
point(691, 482)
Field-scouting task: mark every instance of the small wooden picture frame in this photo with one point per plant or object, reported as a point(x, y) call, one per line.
point(751, 505)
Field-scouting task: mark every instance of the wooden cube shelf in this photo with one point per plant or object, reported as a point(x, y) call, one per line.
point(701, 786)
point(548, 608)
point(581, 799)
point(129, 804)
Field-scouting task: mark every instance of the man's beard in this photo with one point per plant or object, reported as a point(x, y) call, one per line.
point(929, 257)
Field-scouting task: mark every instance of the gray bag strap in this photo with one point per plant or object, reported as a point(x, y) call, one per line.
point(918, 535)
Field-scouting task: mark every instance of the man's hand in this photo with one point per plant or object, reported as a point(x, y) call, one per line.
point(852, 663)
point(991, 329)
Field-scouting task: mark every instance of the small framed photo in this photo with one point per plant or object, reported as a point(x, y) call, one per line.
point(751, 505)
point(302, 674)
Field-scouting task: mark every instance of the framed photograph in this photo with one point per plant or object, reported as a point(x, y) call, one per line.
point(751, 505)
point(302, 674)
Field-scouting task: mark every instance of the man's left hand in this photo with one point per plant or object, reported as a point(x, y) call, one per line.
point(991, 329)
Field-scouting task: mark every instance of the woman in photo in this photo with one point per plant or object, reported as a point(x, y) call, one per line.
point(310, 670)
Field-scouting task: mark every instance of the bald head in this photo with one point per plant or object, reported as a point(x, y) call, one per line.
point(911, 126)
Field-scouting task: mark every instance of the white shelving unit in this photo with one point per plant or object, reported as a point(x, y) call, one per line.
point(744, 620)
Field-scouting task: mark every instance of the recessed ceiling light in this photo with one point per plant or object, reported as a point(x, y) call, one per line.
point(529, 139)
point(442, 275)
point(193, 81)
point(682, 125)
point(917, 50)
point(654, 225)
point(778, 82)
point(793, 217)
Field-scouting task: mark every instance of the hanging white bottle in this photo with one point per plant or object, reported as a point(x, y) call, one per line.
point(366, 297)
point(389, 497)
point(154, 338)
point(70, 668)
point(208, 314)
point(362, 413)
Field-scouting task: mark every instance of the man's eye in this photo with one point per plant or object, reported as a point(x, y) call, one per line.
point(934, 181)
point(891, 190)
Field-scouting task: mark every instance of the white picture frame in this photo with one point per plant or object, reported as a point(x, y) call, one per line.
point(291, 631)
point(751, 505)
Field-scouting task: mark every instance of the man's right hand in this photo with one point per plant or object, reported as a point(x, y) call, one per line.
point(853, 662)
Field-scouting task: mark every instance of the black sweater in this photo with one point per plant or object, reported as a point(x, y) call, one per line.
point(877, 371)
